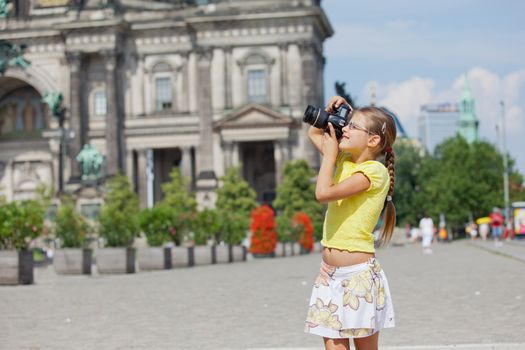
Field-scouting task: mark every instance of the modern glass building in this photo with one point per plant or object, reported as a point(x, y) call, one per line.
point(436, 123)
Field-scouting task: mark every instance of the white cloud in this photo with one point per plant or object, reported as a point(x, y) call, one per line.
point(488, 89)
point(405, 98)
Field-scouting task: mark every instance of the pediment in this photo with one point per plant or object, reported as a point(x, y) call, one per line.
point(254, 115)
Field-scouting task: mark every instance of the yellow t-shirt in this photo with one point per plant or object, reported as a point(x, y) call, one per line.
point(349, 222)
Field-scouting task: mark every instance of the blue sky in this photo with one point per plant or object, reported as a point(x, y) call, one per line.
point(416, 52)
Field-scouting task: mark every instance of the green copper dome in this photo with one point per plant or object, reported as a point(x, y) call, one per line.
point(468, 122)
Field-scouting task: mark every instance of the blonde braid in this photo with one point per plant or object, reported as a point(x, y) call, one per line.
point(389, 161)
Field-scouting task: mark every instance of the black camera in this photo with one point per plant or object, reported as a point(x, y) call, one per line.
point(320, 118)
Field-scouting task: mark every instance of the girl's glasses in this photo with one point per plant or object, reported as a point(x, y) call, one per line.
point(354, 126)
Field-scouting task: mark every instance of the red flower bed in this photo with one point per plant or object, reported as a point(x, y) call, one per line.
point(264, 236)
point(306, 240)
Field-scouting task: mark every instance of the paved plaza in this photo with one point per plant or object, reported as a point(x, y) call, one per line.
point(464, 293)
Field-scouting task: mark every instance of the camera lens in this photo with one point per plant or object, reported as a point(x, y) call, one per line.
point(316, 117)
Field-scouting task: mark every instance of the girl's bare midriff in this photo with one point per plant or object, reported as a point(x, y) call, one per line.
point(338, 258)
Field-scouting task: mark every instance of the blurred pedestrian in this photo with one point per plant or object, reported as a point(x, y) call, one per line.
point(427, 230)
point(472, 230)
point(443, 235)
point(414, 234)
point(496, 222)
point(351, 299)
point(483, 227)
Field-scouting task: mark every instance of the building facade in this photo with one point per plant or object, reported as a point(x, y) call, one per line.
point(436, 123)
point(199, 85)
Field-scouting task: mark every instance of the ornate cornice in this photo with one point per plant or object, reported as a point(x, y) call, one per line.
point(266, 117)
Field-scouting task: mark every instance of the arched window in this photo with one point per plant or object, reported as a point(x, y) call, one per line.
point(100, 103)
point(256, 69)
point(163, 94)
point(163, 83)
point(257, 90)
point(22, 113)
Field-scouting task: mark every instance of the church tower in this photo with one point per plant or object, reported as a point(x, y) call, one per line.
point(468, 122)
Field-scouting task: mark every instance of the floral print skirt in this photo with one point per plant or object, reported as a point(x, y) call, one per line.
point(354, 303)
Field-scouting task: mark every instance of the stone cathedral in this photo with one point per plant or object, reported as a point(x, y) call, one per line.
point(197, 84)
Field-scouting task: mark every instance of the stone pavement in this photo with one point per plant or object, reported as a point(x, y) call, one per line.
point(461, 295)
point(512, 249)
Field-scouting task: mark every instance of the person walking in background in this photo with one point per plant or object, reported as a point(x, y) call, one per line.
point(350, 298)
point(473, 230)
point(496, 222)
point(443, 235)
point(427, 229)
point(483, 227)
point(414, 234)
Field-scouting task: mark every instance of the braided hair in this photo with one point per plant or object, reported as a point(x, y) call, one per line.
point(381, 121)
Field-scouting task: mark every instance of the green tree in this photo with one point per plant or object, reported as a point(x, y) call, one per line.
point(70, 226)
point(20, 223)
point(157, 223)
point(235, 201)
point(462, 181)
point(207, 224)
point(297, 194)
point(119, 223)
point(408, 163)
point(235, 194)
point(179, 198)
point(177, 193)
point(516, 184)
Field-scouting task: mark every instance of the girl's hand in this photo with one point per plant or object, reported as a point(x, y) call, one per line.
point(335, 102)
point(325, 274)
point(330, 146)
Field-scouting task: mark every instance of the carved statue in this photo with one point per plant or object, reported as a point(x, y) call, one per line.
point(54, 101)
point(11, 55)
point(340, 90)
point(4, 8)
point(91, 161)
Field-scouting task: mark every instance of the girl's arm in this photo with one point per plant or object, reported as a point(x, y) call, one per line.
point(316, 136)
point(326, 190)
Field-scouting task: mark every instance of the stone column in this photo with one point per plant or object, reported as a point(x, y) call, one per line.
point(141, 80)
point(283, 148)
point(279, 160)
point(309, 72)
point(235, 157)
point(320, 74)
point(185, 105)
point(227, 147)
point(75, 110)
point(185, 164)
point(206, 182)
point(142, 178)
point(283, 54)
point(129, 167)
point(228, 98)
point(309, 79)
point(112, 121)
point(204, 99)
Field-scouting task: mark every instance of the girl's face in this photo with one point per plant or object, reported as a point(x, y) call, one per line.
point(356, 136)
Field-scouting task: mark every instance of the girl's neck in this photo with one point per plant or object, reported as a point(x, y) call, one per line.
point(363, 157)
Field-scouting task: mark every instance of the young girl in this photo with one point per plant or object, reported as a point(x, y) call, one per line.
point(351, 298)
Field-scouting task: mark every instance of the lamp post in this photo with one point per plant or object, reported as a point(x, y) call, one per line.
point(505, 165)
point(54, 101)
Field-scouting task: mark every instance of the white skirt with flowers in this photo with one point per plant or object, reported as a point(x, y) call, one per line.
point(354, 303)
